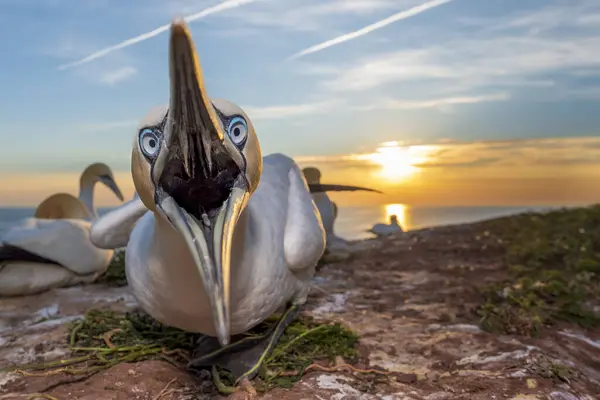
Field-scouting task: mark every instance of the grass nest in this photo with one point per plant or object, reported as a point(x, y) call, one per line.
point(115, 273)
point(553, 261)
point(103, 339)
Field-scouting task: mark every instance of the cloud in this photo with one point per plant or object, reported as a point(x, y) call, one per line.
point(111, 78)
point(392, 104)
point(373, 27)
point(277, 112)
point(471, 62)
point(225, 5)
point(345, 7)
point(478, 162)
point(588, 92)
point(582, 14)
point(546, 53)
point(349, 161)
point(307, 15)
point(535, 153)
point(110, 71)
point(554, 152)
point(319, 107)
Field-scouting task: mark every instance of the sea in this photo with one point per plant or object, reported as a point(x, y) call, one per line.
point(354, 222)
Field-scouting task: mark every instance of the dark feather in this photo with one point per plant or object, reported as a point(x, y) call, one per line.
point(12, 253)
point(324, 187)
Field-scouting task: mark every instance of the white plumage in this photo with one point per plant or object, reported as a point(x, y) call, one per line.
point(387, 229)
point(53, 249)
point(278, 241)
point(64, 241)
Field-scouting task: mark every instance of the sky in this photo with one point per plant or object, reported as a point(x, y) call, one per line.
point(441, 102)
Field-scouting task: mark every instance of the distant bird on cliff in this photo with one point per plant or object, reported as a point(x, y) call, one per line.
point(327, 208)
point(53, 249)
point(387, 229)
point(56, 207)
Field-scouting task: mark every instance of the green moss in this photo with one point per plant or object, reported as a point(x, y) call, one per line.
point(115, 273)
point(137, 337)
point(136, 329)
point(553, 369)
point(303, 342)
point(553, 263)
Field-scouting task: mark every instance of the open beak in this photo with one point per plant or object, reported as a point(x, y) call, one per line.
point(112, 185)
point(194, 134)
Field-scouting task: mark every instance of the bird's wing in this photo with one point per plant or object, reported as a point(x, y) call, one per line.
point(64, 241)
point(304, 240)
point(61, 206)
point(335, 210)
point(10, 253)
point(112, 230)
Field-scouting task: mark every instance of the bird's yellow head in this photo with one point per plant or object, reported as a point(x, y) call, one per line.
point(312, 174)
point(100, 172)
point(195, 163)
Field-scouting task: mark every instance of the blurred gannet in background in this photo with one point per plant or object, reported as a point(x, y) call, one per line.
point(387, 229)
point(327, 208)
point(53, 249)
point(226, 237)
point(98, 172)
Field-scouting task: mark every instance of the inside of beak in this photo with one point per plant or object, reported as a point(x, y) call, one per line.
point(210, 245)
point(199, 187)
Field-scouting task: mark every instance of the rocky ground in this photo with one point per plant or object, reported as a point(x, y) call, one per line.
point(414, 301)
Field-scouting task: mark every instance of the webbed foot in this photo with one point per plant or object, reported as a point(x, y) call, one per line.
point(246, 354)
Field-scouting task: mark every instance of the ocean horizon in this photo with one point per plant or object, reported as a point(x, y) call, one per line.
point(353, 222)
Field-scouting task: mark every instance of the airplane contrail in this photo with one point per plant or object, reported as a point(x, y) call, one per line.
point(370, 28)
point(226, 5)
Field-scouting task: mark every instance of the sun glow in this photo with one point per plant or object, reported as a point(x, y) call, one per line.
point(397, 162)
point(400, 211)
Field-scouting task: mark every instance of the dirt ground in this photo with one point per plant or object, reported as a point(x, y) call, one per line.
point(412, 299)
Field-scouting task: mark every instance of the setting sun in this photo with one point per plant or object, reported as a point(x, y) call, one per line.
point(398, 162)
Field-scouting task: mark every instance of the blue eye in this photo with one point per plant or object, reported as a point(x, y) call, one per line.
point(149, 143)
point(238, 131)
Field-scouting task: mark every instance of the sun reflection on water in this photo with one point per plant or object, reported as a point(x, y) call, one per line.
point(400, 211)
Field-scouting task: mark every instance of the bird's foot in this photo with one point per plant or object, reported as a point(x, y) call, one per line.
point(244, 357)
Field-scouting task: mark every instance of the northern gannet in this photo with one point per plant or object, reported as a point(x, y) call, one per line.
point(387, 229)
point(53, 249)
point(327, 208)
point(97, 172)
point(223, 238)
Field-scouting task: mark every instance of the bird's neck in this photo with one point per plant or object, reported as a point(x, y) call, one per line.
point(86, 194)
point(320, 196)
